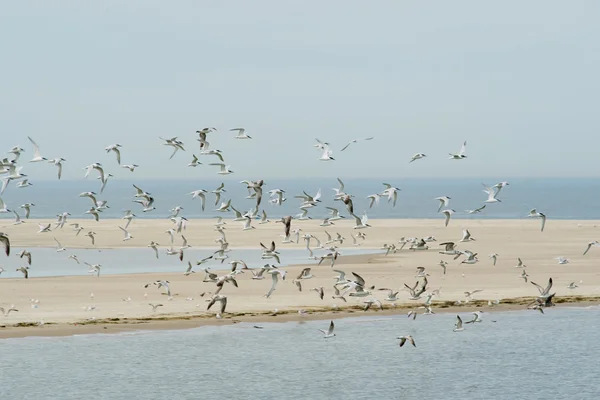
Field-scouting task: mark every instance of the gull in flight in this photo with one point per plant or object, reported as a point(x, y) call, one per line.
point(58, 163)
point(589, 246)
point(221, 299)
point(18, 220)
point(153, 245)
point(173, 142)
point(417, 156)
point(572, 285)
point(447, 213)
point(3, 208)
point(128, 216)
point(24, 271)
point(5, 243)
point(26, 206)
point(200, 193)
point(329, 333)
point(491, 195)
point(476, 317)
point(391, 193)
point(154, 306)
point(534, 214)
point(24, 183)
point(493, 257)
point(466, 236)
point(469, 295)
point(444, 201)
point(74, 257)
point(241, 133)
point(194, 162)
point(115, 148)
point(460, 155)
point(274, 274)
point(225, 169)
point(326, 156)
point(361, 223)
point(60, 246)
point(5, 313)
point(403, 340)
point(458, 327)
point(44, 228)
point(130, 167)
point(94, 269)
point(91, 234)
point(373, 199)
point(26, 254)
point(354, 141)
point(524, 275)
point(126, 233)
point(319, 291)
point(321, 145)
point(36, 152)
point(337, 294)
point(475, 211)
point(562, 260)
point(520, 263)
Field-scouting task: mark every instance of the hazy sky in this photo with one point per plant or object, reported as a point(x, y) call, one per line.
point(517, 79)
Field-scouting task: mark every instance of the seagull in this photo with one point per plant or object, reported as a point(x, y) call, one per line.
point(476, 317)
point(241, 133)
point(189, 270)
point(18, 220)
point(154, 306)
point(444, 200)
point(26, 206)
point(60, 246)
point(26, 254)
point(524, 275)
point(275, 279)
point(130, 167)
point(417, 156)
point(115, 148)
point(466, 236)
point(475, 211)
point(225, 169)
point(5, 313)
point(91, 234)
point(221, 299)
point(218, 192)
point(173, 142)
point(319, 291)
point(361, 223)
point(329, 333)
point(534, 214)
point(493, 257)
point(194, 162)
point(326, 156)
point(469, 295)
point(36, 152)
point(3, 208)
point(459, 325)
point(44, 228)
point(94, 269)
point(443, 264)
point(126, 233)
point(200, 193)
point(403, 340)
point(562, 260)
point(224, 207)
point(589, 246)
point(491, 195)
point(572, 285)
point(448, 213)
point(391, 193)
point(368, 303)
point(74, 257)
point(460, 155)
point(373, 199)
point(24, 183)
point(128, 216)
point(58, 163)
point(24, 271)
point(520, 263)
point(153, 245)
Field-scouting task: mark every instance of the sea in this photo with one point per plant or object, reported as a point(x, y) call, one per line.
point(510, 355)
point(558, 198)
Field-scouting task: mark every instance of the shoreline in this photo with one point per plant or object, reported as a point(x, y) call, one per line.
point(179, 322)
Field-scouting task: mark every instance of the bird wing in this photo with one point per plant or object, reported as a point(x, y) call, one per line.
point(36, 148)
point(331, 327)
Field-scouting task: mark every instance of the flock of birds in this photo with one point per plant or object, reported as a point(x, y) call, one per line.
point(346, 285)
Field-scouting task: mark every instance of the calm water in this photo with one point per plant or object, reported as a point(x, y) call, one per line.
point(557, 198)
point(524, 355)
point(47, 262)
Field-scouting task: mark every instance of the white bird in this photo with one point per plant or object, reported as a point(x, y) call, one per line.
point(361, 223)
point(176, 144)
point(44, 228)
point(26, 206)
point(154, 306)
point(409, 338)
point(447, 213)
point(130, 167)
point(221, 299)
point(534, 214)
point(194, 162)
point(459, 325)
point(274, 276)
point(374, 199)
point(475, 211)
point(476, 317)
point(417, 156)
point(562, 260)
point(329, 333)
point(3, 208)
point(18, 220)
point(225, 169)
point(201, 193)
point(444, 201)
point(491, 196)
point(74, 258)
point(466, 236)
point(493, 257)
point(126, 233)
point(36, 152)
point(589, 246)
point(460, 155)
point(241, 133)
point(115, 148)
point(326, 156)
point(24, 183)
point(154, 246)
point(391, 193)
point(58, 163)
point(60, 246)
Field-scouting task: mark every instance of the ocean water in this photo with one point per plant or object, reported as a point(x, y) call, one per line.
point(47, 262)
point(557, 198)
point(523, 355)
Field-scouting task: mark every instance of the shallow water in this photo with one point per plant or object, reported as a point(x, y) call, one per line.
point(47, 262)
point(524, 355)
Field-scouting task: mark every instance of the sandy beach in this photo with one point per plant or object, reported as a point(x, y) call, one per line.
point(66, 306)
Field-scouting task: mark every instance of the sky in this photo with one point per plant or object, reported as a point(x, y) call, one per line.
point(517, 80)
